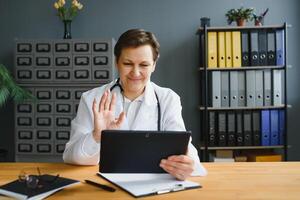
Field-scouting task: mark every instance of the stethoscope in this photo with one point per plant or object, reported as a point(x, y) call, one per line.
point(117, 84)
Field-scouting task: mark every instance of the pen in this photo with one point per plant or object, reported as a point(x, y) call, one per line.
point(104, 187)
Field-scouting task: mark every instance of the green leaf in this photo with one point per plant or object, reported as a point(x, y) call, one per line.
point(9, 89)
point(4, 95)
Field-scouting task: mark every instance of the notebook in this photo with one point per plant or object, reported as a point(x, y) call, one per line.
point(19, 190)
point(139, 151)
point(140, 184)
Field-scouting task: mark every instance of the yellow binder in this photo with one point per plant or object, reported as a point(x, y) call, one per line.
point(228, 50)
point(221, 50)
point(212, 50)
point(236, 49)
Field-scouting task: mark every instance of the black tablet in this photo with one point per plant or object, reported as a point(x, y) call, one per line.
point(139, 151)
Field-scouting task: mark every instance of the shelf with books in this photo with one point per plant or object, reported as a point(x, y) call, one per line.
point(242, 108)
point(232, 28)
point(242, 68)
point(242, 147)
point(243, 84)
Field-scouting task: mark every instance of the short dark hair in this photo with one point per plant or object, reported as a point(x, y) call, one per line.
point(136, 38)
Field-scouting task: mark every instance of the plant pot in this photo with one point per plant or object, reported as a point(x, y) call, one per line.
point(241, 22)
point(258, 22)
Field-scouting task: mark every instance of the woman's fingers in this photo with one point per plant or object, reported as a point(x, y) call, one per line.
point(113, 102)
point(178, 173)
point(95, 107)
point(121, 119)
point(102, 101)
point(179, 166)
point(107, 101)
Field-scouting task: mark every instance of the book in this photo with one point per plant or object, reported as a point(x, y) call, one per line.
point(146, 184)
point(19, 190)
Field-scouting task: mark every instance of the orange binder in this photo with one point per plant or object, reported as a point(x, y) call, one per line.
point(221, 50)
point(212, 50)
point(265, 158)
point(236, 49)
point(228, 49)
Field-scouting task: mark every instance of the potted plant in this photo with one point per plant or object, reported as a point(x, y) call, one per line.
point(9, 89)
point(240, 15)
point(259, 19)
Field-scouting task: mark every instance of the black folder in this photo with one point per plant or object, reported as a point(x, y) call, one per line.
point(222, 128)
point(212, 129)
point(231, 129)
point(49, 184)
point(247, 128)
point(262, 47)
point(254, 61)
point(256, 134)
point(239, 129)
point(245, 48)
point(271, 54)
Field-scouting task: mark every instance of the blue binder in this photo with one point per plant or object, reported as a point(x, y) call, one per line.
point(274, 140)
point(280, 47)
point(265, 127)
point(281, 126)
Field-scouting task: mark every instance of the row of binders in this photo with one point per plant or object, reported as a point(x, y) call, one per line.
point(264, 47)
point(246, 128)
point(250, 88)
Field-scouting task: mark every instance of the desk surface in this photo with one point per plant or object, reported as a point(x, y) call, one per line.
point(224, 181)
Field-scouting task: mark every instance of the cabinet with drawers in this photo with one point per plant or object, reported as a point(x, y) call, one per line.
point(57, 72)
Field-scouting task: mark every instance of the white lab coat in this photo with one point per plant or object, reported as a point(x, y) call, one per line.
point(82, 148)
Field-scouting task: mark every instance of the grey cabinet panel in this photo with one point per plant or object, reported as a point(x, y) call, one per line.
point(63, 61)
point(43, 61)
point(24, 61)
point(57, 72)
point(24, 75)
point(24, 47)
point(63, 108)
point(23, 134)
point(44, 135)
point(43, 47)
point(81, 46)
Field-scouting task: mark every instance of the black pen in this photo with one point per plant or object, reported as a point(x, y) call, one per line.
point(104, 187)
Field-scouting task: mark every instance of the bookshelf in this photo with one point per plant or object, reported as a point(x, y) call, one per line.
point(243, 87)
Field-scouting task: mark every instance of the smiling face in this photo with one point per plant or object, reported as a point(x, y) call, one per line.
point(135, 66)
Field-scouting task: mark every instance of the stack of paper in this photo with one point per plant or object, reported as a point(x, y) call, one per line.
point(140, 184)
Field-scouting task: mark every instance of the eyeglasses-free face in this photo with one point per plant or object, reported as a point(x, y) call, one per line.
point(135, 67)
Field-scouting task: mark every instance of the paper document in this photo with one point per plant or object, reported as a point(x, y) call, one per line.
point(140, 184)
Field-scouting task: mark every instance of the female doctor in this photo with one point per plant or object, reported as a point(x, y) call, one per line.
point(131, 102)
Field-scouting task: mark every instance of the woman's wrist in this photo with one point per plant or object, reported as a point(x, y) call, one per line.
point(97, 135)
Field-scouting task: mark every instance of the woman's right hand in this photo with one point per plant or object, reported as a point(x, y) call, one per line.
point(104, 115)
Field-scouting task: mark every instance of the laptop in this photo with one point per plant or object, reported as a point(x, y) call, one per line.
point(128, 151)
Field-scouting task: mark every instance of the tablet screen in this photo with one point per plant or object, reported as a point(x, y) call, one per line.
point(139, 151)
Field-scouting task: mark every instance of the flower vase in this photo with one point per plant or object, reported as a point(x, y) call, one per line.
point(67, 26)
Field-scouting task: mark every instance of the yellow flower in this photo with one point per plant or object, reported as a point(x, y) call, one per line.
point(65, 12)
point(80, 6)
point(61, 3)
point(56, 5)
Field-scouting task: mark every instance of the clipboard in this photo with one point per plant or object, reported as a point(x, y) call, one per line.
point(147, 184)
point(128, 151)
